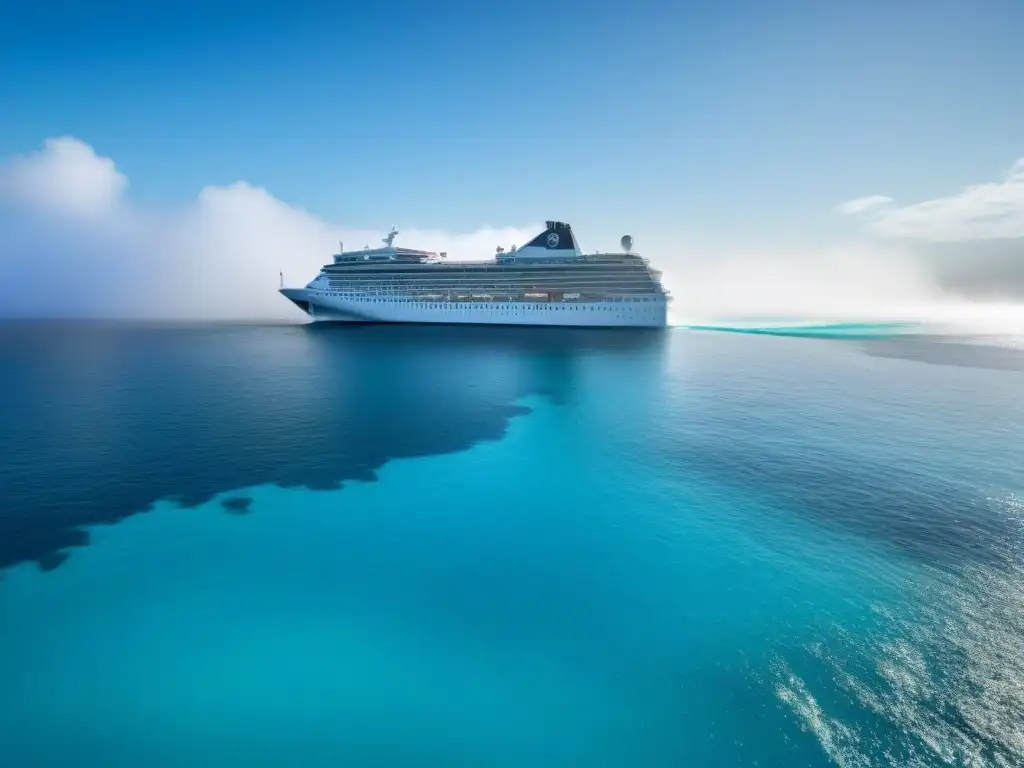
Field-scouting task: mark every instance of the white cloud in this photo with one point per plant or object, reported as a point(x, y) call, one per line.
point(77, 247)
point(66, 175)
point(862, 204)
point(979, 212)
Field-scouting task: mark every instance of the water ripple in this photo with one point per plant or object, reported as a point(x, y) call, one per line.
point(943, 680)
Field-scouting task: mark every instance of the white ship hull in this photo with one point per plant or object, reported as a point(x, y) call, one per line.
point(322, 307)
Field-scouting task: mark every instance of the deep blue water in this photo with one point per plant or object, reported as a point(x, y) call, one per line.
point(307, 546)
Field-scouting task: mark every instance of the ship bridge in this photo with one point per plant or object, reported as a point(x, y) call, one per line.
point(389, 253)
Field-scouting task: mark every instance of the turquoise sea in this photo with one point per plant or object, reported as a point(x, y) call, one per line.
point(388, 546)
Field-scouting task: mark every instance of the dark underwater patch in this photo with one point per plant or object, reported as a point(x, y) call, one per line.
point(51, 560)
point(102, 420)
point(953, 351)
point(237, 505)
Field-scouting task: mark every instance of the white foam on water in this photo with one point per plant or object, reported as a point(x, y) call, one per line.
point(840, 742)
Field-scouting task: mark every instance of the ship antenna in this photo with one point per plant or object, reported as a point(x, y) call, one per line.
point(391, 237)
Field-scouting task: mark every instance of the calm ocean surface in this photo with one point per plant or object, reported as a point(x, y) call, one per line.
point(386, 546)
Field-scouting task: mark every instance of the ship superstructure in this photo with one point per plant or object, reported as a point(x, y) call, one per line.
point(549, 281)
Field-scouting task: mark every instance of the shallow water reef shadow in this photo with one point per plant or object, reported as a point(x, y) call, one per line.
point(237, 505)
point(189, 413)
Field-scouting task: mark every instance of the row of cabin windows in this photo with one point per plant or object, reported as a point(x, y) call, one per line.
point(374, 297)
point(631, 277)
point(504, 289)
point(503, 305)
point(637, 300)
point(600, 279)
point(505, 274)
point(592, 274)
point(629, 289)
point(602, 274)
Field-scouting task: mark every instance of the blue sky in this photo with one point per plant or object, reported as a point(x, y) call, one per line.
point(705, 127)
point(714, 114)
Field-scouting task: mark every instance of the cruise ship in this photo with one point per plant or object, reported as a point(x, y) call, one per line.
point(548, 281)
